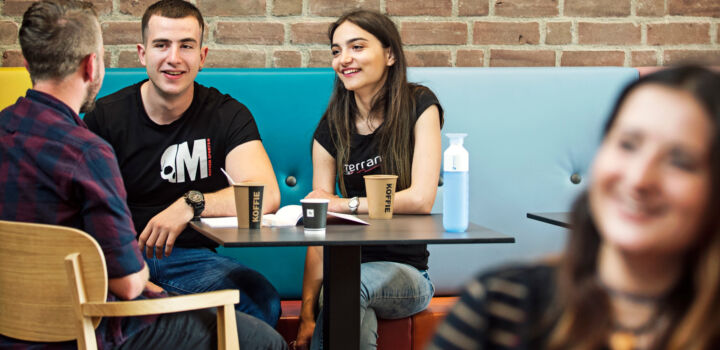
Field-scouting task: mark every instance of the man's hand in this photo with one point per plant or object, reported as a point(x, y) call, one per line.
point(153, 287)
point(162, 230)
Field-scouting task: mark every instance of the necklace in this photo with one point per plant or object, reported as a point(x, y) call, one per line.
point(633, 297)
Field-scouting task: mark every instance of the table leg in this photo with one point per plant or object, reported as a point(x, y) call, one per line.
point(341, 297)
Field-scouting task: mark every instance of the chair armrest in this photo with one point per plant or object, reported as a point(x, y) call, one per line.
point(162, 305)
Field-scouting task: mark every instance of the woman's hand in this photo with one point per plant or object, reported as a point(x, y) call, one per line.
point(320, 193)
point(337, 204)
point(305, 332)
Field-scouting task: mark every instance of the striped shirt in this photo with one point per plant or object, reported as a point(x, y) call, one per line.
point(53, 170)
point(503, 309)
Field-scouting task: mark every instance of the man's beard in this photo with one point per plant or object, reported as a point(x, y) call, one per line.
point(90, 94)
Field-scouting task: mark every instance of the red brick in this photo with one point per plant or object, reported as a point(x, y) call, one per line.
point(107, 56)
point(592, 58)
point(678, 33)
point(508, 33)
point(15, 7)
point(428, 33)
point(522, 58)
point(12, 58)
point(648, 8)
point(287, 7)
point(286, 59)
point(597, 8)
point(235, 58)
point(320, 58)
point(135, 7)
point(558, 33)
point(643, 58)
point(700, 8)
point(310, 33)
point(334, 8)
point(470, 58)
point(608, 33)
point(526, 8)
point(473, 7)
point(249, 33)
point(128, 59)
point(419, 8)
point(428, 58)
point(8, 33)
point(103, 7)
point(18, 7)
point(119, 33)
point(225, 8)
point(705, 57)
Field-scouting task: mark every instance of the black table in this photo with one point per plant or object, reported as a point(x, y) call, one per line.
point(341, 258)
point(561, 219)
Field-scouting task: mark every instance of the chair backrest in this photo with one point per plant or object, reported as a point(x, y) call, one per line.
point(35, 299)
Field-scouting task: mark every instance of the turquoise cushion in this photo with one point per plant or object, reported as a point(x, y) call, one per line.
point(529, 130)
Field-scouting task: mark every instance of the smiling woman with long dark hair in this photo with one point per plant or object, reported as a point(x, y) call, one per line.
point(641, 269)
point(376, 123)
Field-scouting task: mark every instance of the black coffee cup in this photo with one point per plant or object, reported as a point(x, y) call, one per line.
point(314, 213)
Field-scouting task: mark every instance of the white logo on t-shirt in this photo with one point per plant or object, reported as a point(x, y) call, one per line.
point(177, 159)
point(364, 166)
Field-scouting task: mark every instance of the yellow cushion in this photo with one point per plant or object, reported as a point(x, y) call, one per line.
point(15, 82)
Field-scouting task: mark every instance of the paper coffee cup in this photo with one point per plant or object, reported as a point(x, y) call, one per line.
point(380, 191)
point(314, 213)
point(248, 204)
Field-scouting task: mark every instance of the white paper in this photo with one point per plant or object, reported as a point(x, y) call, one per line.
point(225, 221)
point(348, 217)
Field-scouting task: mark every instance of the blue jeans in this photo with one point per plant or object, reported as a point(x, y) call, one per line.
point(197, 330)
point(387, 290)
point(196, 270)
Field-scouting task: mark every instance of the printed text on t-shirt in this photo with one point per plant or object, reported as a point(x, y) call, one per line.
point(364, 166)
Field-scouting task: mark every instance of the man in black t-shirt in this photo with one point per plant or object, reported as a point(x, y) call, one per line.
point(172, 136)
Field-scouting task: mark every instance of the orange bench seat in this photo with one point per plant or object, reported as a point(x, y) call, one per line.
point(410, 333)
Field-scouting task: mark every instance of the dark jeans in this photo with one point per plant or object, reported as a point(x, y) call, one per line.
point(197, 270)
point(198, 330)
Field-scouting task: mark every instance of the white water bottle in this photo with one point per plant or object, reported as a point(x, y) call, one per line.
point(456, 184)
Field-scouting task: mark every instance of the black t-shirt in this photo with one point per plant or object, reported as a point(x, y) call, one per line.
point(160, 163)
point(365, 160)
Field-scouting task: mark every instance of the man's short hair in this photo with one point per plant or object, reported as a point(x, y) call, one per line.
point(56, 35)
point(172, 9)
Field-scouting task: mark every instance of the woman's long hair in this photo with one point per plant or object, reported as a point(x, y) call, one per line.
point(584, 316)
point(394, 103)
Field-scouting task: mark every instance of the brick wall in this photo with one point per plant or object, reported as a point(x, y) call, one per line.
point(485, 33)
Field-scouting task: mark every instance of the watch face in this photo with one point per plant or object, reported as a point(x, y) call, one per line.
point(195, 196)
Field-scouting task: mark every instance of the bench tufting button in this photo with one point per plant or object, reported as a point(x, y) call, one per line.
point(291, 181)
point(575, 178)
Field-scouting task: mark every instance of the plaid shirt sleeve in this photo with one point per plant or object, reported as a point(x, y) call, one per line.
point(105, 213)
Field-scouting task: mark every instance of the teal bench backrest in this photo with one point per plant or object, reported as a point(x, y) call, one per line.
point(530, 130)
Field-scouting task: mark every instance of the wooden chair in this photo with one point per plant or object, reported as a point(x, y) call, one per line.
point(53, 287)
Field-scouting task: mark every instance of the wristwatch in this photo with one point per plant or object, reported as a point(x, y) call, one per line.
point(353, 204)
point(196, 201)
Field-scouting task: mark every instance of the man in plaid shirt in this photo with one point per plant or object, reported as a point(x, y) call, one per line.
point(53, 170)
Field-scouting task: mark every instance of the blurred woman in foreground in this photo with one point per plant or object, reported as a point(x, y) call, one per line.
point(642, 265)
